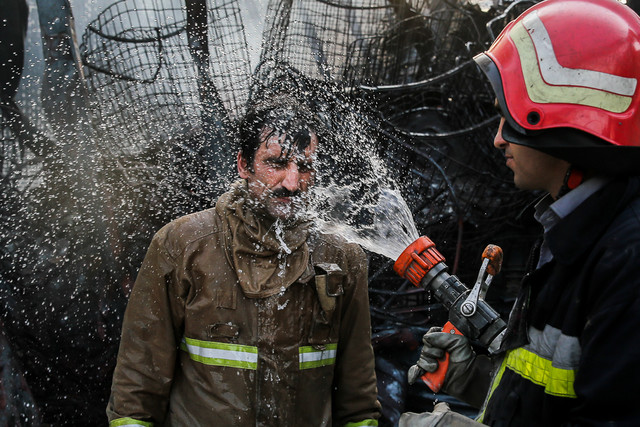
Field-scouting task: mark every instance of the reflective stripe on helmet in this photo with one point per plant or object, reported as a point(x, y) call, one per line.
point(129, 422)
point(556, 74)
point(221, 354)
point(313, 358)
point(549, 82)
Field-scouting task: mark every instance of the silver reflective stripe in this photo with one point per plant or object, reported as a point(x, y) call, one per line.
point(221, 354)
point(563, 351)
point(583, 88)
point(555, 74)
point(311, 357)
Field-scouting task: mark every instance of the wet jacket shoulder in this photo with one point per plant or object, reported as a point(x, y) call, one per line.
point(577, 362)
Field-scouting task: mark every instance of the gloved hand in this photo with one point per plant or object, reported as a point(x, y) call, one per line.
point(436, 343)
point(442, 416)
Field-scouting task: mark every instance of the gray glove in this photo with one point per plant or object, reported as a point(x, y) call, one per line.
point(468, 377)
point(436, 343)
point(440, 417)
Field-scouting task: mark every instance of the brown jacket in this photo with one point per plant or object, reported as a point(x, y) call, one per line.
point(197, 351)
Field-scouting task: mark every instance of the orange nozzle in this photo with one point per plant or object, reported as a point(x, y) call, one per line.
point(415, 261)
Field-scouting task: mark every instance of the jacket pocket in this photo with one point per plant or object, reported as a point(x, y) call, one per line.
point(225, 296)
point(224, 332)
point(329, 280)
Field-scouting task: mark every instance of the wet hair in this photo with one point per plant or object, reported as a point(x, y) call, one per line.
point(280, 115)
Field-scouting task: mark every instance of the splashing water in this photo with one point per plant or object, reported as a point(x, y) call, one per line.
point(383, 224)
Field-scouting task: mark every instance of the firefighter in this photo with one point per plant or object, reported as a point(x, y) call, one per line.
point(565, 74)
point(240, 314)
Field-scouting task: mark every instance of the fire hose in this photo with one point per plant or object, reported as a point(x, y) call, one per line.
point(469, 314)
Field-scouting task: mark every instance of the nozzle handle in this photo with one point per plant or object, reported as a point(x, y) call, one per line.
point(435, 380)
point(494, 254)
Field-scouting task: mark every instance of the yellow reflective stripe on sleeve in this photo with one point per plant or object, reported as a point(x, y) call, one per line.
point(221, 354)
point(556, 381)
point(362, 423)
point(541, 92)
point(313, 358)
point(129, 422)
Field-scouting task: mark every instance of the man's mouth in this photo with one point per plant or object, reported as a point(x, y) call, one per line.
point(508, 157)
point(285, 195)
point(283, 199)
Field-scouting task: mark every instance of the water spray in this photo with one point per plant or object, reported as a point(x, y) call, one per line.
point(469, 313)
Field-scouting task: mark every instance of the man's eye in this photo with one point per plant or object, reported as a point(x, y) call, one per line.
point(305, 167)
point(497, 108)
point(278, 163)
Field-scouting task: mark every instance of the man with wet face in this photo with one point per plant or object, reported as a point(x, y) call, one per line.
point(280, 171)
point(243, 314)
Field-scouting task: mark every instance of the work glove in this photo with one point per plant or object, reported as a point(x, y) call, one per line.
point(442, 416)
point(435, 344)
point(468, 377)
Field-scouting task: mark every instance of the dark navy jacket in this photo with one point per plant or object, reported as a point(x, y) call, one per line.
point(572, 348)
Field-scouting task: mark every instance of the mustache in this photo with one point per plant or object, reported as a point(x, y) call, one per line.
point(283, 192)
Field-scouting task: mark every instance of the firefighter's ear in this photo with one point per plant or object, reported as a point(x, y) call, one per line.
point(243, 169)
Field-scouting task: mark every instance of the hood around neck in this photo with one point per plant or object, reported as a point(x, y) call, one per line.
point(267, 254)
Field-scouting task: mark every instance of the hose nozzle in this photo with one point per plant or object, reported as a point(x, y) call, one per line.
point(417, 260)
point(424, 266)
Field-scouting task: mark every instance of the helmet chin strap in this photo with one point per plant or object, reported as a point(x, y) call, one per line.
point(572, 179)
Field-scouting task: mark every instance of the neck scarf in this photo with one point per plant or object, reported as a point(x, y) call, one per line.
point(267, 255)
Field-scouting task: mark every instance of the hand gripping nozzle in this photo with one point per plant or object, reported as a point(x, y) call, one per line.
point(469, 314)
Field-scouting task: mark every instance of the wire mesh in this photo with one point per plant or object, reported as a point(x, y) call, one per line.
point(166, 79)
point(143, 77)
point(21, 166)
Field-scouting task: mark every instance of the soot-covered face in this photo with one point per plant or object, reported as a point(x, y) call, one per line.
point(281, 174)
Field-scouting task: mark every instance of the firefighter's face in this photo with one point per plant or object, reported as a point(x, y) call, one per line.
point(532, 169)
point(280, 178)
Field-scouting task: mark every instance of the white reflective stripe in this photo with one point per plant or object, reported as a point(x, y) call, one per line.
point(542, 92)
point(317, 355)
point(312, 358)
point(563, 350)
point(555, 74)
point(221, 354)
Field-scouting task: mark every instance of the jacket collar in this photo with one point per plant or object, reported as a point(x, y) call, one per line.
point(577, 232)
point(267, 256)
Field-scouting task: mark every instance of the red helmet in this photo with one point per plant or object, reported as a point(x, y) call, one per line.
point(566, 75)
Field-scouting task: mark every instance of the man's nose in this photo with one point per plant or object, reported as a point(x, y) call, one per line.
point(499, 141)
point(291, 179)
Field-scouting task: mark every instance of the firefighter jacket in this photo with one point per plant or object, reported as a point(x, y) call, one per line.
point(237, 321)
point(571, 347)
